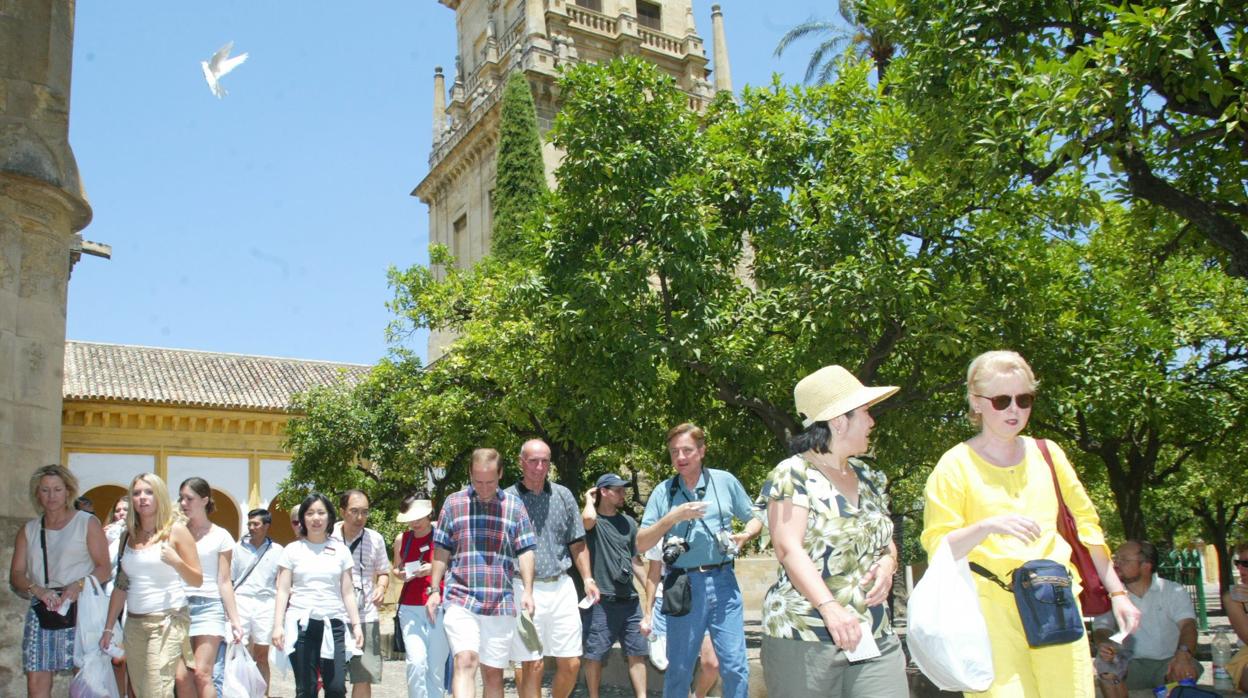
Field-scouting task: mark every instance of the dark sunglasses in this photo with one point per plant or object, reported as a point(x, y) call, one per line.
point(1241, 563)
point(1002, 402)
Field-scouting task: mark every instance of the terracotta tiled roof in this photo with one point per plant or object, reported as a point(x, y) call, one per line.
point(157, 376)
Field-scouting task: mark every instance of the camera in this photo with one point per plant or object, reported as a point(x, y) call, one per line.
point(673, 548)
point(727, 545)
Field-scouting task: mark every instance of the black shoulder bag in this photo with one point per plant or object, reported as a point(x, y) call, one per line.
point(677, 594)
point(49, 619)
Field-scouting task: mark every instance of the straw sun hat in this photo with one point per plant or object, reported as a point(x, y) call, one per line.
point(418, 510)
point(833, 391)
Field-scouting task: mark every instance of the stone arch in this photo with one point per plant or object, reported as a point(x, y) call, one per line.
point(226, 515)
point(104, 497)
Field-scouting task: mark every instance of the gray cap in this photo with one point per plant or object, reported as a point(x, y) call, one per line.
point(611, 480)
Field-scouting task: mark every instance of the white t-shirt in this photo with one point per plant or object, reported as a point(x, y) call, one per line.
point(1162, 608)
point(216, 541)
point(316, 577)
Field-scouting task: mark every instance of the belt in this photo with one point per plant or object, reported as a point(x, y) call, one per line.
point(707, 568)
point(619, 599)
point(548, 580)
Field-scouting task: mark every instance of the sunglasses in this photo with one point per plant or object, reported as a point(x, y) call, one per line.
point(1002, 402)
point(1241, 563)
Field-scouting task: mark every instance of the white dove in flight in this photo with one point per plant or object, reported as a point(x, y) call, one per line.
point(216, 67)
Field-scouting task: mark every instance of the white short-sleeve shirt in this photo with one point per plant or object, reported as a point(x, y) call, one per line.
point(216, 541)
point(1162, 608)
point(316, 577)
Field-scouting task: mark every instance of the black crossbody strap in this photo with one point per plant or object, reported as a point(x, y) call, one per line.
point(408, 537)
point(268, 543)
point(43, 543)
point(983, 572)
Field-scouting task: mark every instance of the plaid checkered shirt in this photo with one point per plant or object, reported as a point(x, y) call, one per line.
point(484, 538)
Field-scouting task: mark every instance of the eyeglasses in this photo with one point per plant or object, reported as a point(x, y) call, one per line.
point(1002, 402)
point(1241, 563)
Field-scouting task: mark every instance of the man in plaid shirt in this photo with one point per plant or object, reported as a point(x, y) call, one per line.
point(483, 535)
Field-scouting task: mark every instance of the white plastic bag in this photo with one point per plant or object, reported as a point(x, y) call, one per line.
point(242, 676)
point(92, 615)
point(946, 632)
point(96, 679)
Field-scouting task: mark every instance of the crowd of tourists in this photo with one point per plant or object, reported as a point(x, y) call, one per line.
point(486, 585)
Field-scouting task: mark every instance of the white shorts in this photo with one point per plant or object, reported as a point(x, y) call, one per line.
point(256, 616)
point(488, 636)
point(557, 618)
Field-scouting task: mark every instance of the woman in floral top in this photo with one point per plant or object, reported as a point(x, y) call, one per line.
point(828, 518)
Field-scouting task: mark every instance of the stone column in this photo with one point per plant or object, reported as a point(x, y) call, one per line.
point(439, 104)
point(535, 18)
point(42, 208)
point(723, 73)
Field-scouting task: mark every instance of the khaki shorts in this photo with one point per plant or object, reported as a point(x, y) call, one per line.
point(366, 668)
point(154, 643)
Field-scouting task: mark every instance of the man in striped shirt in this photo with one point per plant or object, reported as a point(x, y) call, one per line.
point(483, 535)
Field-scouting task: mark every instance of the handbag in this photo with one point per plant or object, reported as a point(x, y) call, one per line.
point(397, 644)
point(1046, 606)
point(677, 594)
point(1094, 598)
point(49, 619)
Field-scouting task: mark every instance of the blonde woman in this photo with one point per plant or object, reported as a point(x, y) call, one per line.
point(158, 557)
point(52, 556)
point(991, 498)
point(212, 602)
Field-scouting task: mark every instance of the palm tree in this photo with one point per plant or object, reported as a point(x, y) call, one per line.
point(867, 40)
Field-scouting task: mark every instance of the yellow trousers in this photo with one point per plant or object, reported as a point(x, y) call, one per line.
point(1056, 671)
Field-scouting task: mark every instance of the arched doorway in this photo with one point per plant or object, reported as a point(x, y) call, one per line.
point(104, 497)
point(226, 514)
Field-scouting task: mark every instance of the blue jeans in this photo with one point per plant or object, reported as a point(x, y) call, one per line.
point(716, 607)
point(658, 621)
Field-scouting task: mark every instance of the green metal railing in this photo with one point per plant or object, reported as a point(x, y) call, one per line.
point(1187, 568)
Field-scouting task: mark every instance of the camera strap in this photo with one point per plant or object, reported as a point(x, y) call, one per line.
point(673, 488)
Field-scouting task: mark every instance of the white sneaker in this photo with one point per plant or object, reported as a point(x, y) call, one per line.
point(658, 652)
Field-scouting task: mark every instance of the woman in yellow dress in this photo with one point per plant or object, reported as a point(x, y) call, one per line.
point(991, 498)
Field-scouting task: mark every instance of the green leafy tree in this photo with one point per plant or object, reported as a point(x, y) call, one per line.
point(1148, 96)
point(520, 181)
point(865, 37)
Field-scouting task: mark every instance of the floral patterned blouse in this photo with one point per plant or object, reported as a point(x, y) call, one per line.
point(842, 540)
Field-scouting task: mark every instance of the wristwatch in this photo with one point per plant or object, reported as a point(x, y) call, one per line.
point(1183, 648)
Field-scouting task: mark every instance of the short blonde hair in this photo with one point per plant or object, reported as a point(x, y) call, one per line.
point(166, 517)
point(485, 456)
point(71, 485)
point(992, 364)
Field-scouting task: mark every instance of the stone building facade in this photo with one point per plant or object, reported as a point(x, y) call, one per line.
point(539, 37)
point(42, 209)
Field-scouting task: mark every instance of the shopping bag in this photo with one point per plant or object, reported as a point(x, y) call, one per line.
point(946, 633)
point(92, 615)
point(95, 679)
point(242, 676)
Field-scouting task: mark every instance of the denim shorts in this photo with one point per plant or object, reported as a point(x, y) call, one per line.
point(609, 621)
point(207, 616)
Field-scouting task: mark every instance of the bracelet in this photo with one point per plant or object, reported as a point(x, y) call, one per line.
point(1120, 592)
point(824, 603)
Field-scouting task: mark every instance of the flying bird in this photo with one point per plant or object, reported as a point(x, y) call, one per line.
point(216, 67)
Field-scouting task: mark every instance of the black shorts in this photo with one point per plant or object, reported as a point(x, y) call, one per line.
point(610, 621)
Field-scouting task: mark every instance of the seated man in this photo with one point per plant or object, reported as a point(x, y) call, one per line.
point(1161, 649)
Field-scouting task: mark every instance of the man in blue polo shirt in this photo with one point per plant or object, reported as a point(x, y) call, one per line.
point(699, 504)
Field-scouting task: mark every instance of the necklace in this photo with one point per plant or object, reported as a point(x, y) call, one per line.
point(825, 461)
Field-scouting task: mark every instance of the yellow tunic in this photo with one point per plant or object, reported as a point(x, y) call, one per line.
point(964, 489)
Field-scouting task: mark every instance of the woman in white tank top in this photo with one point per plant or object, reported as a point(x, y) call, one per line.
point(52, 556)
point(212, 601)
point(157, 557)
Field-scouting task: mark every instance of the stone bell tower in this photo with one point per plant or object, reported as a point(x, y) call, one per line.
point(42, 208)
point(539, 37)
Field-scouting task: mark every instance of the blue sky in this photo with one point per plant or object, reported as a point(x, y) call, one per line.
point(263, 223)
